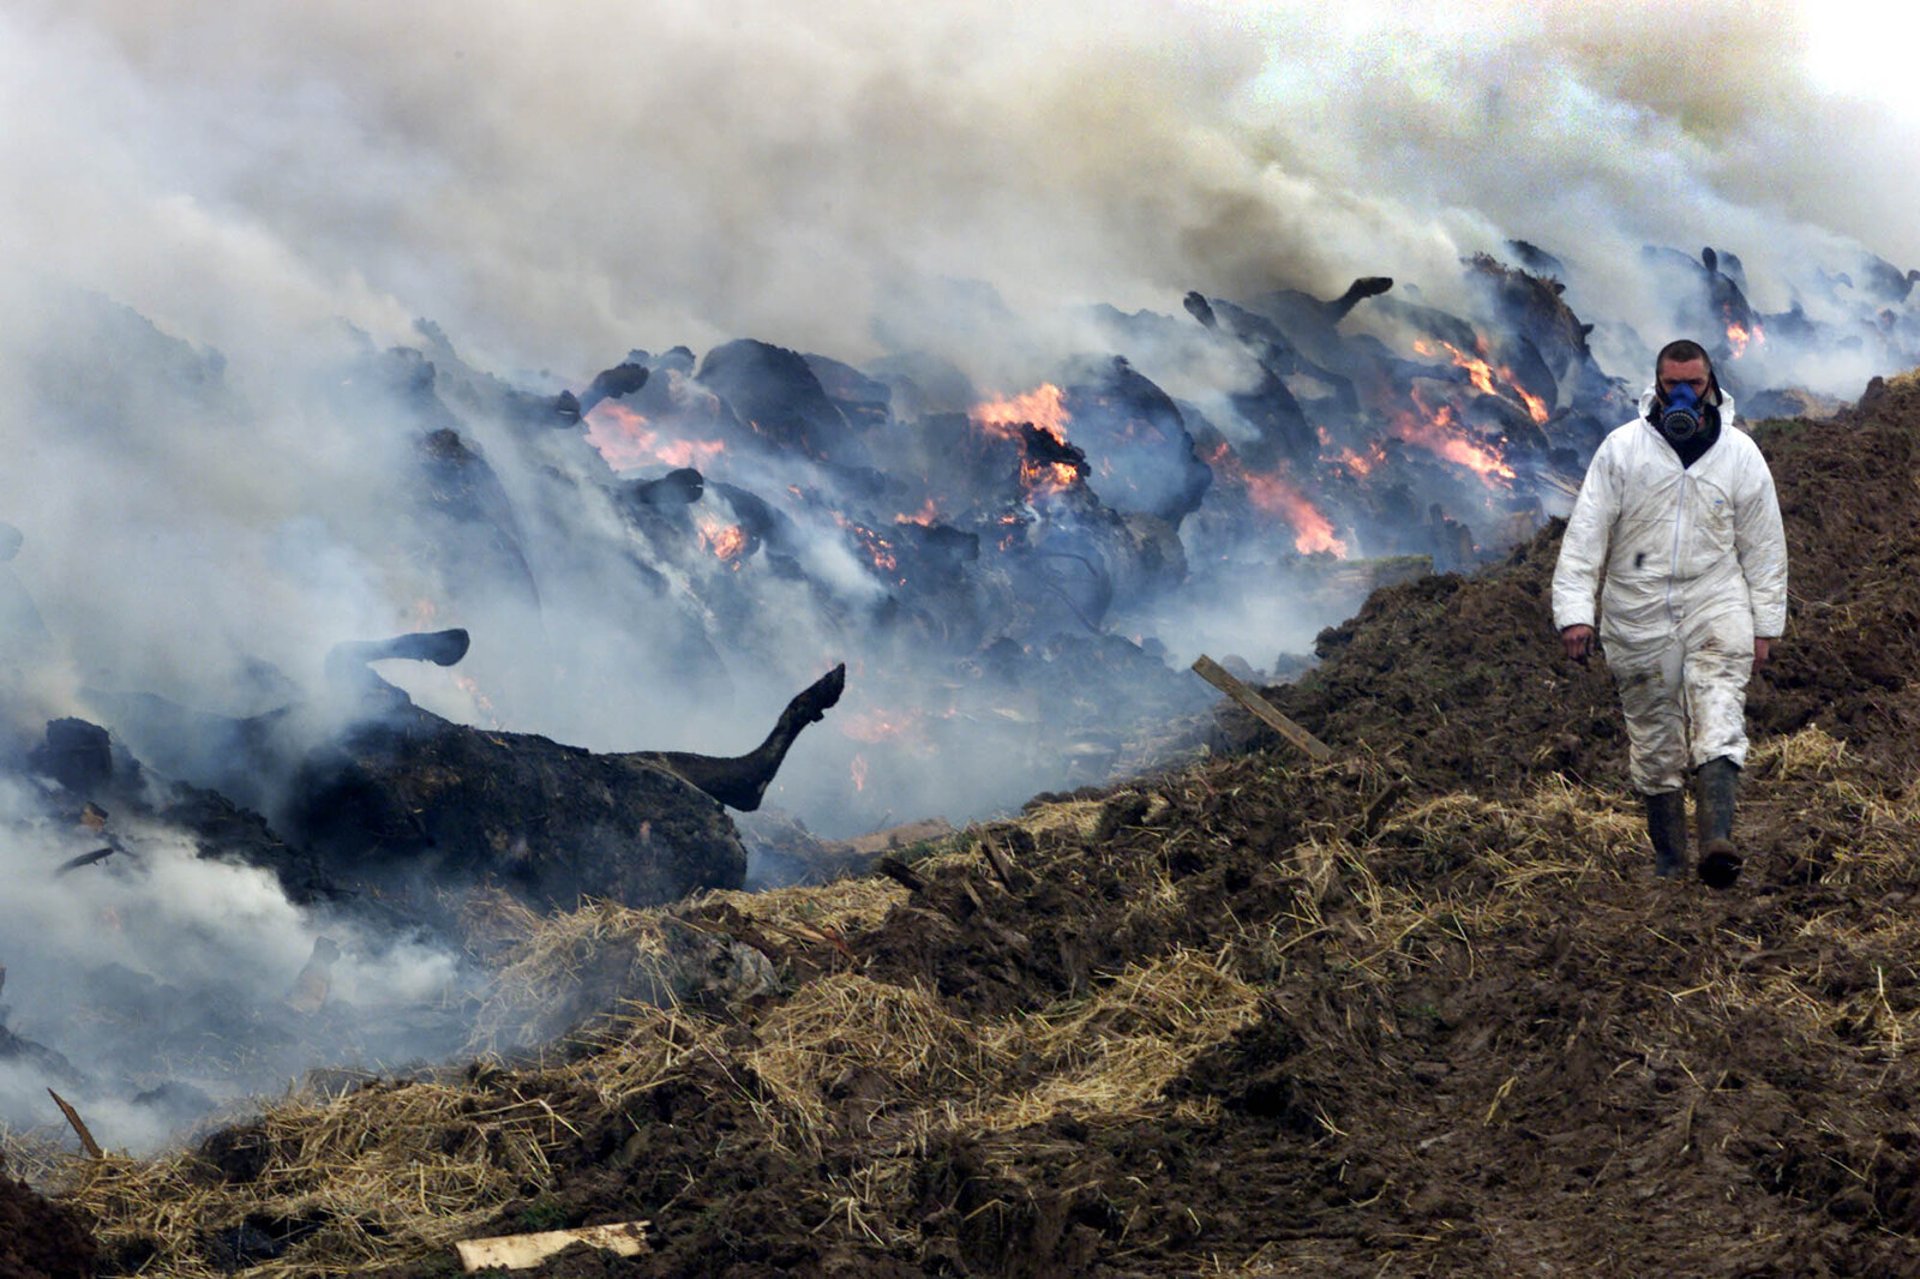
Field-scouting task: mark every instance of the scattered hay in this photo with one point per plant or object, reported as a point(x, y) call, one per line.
point(840, 907)
point(1078, 818)
point(380, 1174)
point(841, 1027)
point(561, 959)
point(1110, 1057)
point(1402, 930)
point(1811, 752)
point(34, 1155)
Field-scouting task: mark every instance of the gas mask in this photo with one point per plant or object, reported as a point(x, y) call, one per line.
point(1682, 415)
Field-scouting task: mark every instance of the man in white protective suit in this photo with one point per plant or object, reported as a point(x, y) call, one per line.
point(1678, 515)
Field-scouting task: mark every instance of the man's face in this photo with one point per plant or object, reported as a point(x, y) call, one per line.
point(1691, 373)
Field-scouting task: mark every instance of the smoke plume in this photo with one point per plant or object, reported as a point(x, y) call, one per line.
point(232, 217)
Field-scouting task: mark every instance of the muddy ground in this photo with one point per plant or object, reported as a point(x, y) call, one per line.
point(1420, 1010)
point(39, 1239)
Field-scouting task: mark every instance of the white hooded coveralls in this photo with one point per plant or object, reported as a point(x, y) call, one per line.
point(1695, 566)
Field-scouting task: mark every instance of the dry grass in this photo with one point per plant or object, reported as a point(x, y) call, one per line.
point(843, 906)
point(842, 1026)
point(34, 1155)
point(389, 1170)
point(542, 961)
point(543, 967)
point(393, 1171)
point(1105, 1059)
point(1109, 1058)
point(846, 1061)
point(1076, 817)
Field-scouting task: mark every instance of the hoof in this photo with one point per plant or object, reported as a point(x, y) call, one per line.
point(442, 648)
point(825, 693)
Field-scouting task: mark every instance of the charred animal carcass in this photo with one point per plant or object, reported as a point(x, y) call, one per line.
point(379, 797)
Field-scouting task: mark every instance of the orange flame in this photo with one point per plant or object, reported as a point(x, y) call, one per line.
point(1278, 495)
point(1536, 407)
point(925, 516)
point(859, 771)
point(1738, 337)
point(1439, 435)
point(627, 439)
point(1042, 478)
point(1360, 465)
point(1482, 374)
point(727, 542)
point(877, 724)
point(878, 549)
point(1044, 407)
point(1477, 369)
point(481, 702)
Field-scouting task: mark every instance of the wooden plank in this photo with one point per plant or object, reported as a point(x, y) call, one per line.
point(1212, 672)
point(79, 1126)
point(518, 1252)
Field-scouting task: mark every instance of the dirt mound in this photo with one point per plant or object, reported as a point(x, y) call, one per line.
point(1256, 1015)
point(1422, 1009)
point(38, 1239)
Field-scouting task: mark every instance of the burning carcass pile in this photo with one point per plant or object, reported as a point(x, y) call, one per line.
point(1013, 567)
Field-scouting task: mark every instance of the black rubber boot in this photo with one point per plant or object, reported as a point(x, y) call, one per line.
point(1667, 828)
point(1716, 783)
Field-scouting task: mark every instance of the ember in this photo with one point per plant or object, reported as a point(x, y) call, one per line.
point(1439, 433)
point(878, 550)
point(925, 516)
point(1313, 531)
point(1483, 374)
point(726, 541)
point(627, 440)
point(877, 724)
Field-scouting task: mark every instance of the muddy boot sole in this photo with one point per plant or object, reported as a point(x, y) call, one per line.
point(1720, 866)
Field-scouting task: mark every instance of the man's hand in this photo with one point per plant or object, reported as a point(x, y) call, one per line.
point(1762, 649)
point(1578, 641)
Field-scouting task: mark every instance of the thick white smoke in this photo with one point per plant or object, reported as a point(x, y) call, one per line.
point(559, 182)
point(167, 981)
point(210, 500)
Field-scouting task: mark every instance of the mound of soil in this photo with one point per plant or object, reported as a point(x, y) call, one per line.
point(1422, 1009)
point(40, 1239)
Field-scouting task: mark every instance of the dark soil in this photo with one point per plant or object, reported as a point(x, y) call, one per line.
point(1488, 1042)
point(39, 1239)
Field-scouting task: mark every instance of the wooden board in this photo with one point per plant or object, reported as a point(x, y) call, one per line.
point(518, 1252)
point(1212, 672)
point(79, 1125)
